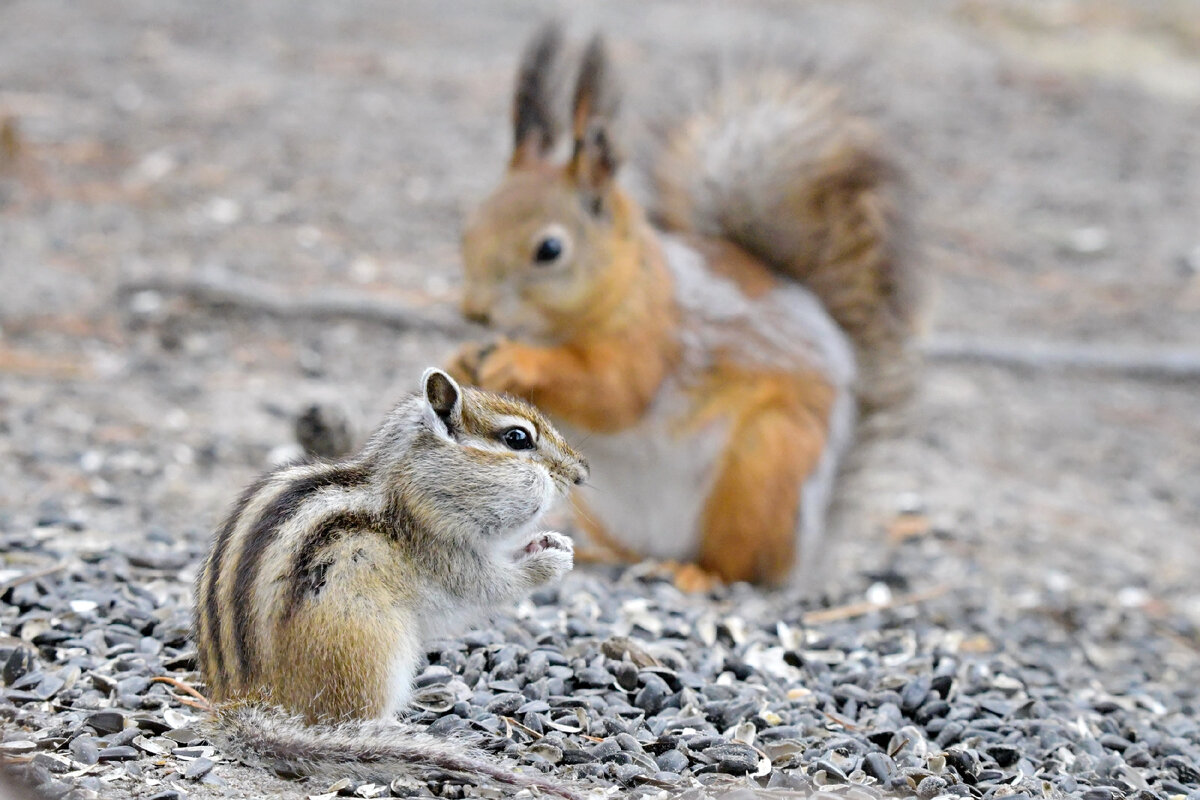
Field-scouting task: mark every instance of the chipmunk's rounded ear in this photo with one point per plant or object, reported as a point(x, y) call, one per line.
point(595, 159)
point(443, 402)
point(535, 125)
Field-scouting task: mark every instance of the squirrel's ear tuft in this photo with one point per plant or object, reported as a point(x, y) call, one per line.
point(443, 401)
point(535, 125)
point(595, 158)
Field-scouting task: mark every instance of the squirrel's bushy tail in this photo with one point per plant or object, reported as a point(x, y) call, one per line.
point(363, 750)
point(773, 165)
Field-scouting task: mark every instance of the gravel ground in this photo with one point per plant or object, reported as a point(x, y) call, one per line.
point(618, 679)
point(1031, 537)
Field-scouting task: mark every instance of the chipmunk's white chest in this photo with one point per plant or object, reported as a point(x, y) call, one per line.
point(649, 482)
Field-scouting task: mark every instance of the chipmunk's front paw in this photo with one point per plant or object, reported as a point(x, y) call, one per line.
point(547, 557)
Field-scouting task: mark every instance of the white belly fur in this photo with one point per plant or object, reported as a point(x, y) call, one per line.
point(648, 484)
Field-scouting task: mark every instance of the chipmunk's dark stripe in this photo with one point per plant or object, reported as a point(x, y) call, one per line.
point(400, 524)
point(208, 628)
point(260, 536)
point(307, 573)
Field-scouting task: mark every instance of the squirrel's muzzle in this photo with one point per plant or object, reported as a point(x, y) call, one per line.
point(477, 305)
point(478, 315)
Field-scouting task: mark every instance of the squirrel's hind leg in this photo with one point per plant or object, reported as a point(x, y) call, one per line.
point(749, 523)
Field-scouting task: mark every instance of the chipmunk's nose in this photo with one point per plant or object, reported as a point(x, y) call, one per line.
point(581, 472)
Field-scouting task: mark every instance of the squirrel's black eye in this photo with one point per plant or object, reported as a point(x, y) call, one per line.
point(518, 439)
point(548, 250)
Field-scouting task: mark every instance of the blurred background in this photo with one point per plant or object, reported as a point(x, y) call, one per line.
point(307, 150)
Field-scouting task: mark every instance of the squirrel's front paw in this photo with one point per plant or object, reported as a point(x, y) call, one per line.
point(507, 368)
point(464, 365)
point(547, 557)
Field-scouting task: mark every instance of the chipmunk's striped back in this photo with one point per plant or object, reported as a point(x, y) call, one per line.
point(271, 544)
point(327, 576)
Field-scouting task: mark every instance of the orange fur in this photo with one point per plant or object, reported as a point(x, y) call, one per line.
point(597, 384)
point(692, 578)
point(612, 346)
point(777, 434)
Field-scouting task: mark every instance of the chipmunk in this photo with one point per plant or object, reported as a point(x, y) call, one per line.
point(717, 362)
point(327, 578)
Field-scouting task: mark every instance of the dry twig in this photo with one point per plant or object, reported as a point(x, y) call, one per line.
point(852, 610)
point(226, 291)
point(183, 687)
point(37, 364)
point(1170, 363)
point(30, 576)
point(524, 728)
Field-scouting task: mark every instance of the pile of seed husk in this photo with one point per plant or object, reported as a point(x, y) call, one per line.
point(896, 685)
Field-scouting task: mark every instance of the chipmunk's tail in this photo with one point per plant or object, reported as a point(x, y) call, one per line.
point(367, 750)
point(771, 163)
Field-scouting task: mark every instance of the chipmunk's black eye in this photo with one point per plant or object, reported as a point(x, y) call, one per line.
point(548, 250)
point(518, 439)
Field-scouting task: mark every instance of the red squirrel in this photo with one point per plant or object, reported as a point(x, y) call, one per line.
point(712, 353)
